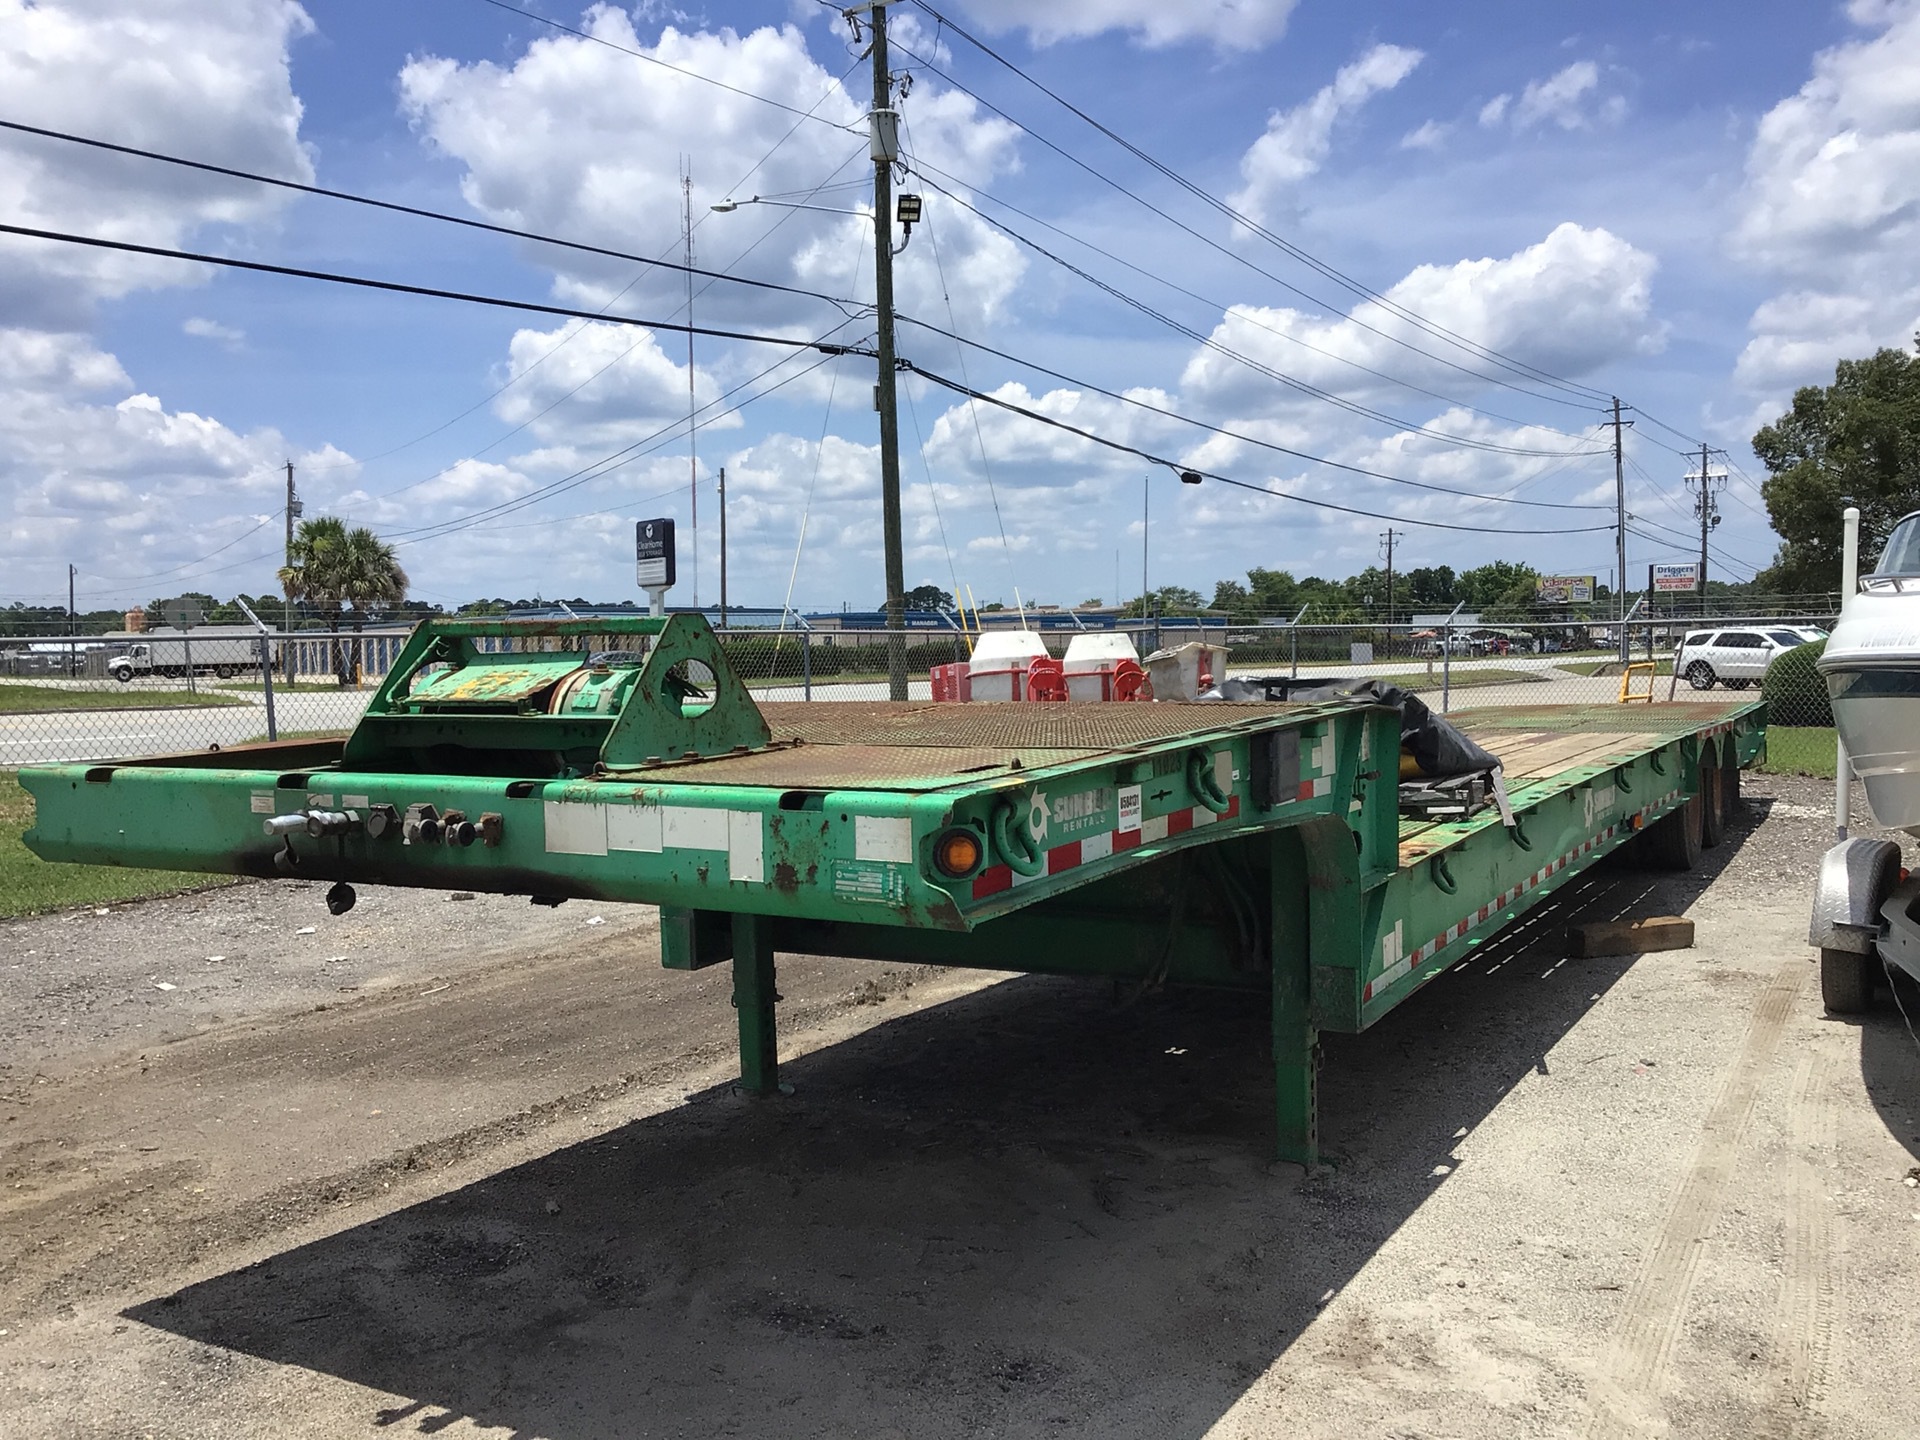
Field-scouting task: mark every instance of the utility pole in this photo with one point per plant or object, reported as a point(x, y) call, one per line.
point(71, 627)
point(723, 547)
point(1146, 486)
point(1390, 537)
point(1708, 510)
point(693, 421)
point(1620, 529)
point(883, 144)
point(293, 513)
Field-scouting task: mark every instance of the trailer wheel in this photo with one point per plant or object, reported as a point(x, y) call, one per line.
point(1713, 810)
point(1673, 843)
point(1846, 981)
point(225, 672)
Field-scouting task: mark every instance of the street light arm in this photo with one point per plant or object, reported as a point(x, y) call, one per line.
point(727, 207)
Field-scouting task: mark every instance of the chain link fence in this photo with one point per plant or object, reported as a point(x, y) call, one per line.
point(83, 697)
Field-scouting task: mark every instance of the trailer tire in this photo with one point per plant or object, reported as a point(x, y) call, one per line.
point(1846, 981)
point(1729, 784)
point(1673, 842)
point(225, 672)
point(1713, 810)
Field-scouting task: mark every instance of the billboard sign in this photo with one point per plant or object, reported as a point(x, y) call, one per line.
point(653, 553)
point(1564, 589)
point(1674, 576)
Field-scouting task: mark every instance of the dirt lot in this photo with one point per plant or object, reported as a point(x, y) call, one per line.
point(470, 1168)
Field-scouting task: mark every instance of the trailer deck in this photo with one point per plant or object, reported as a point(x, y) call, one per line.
point(1259, 847)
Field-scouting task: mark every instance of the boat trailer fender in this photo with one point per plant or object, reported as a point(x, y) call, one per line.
point(1855, 877)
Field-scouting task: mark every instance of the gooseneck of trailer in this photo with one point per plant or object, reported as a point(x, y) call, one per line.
point(1253, 847)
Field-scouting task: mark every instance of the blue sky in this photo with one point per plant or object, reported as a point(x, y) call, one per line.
point(1696, 212)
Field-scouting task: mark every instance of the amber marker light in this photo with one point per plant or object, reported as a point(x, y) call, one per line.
point(957, 854)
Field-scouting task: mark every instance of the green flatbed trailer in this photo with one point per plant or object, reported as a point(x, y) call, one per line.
point(1257, 847)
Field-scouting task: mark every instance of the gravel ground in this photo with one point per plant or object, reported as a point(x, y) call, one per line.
point(472, 1168)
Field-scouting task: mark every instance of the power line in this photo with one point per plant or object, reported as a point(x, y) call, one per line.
point(1286, 246)
point(599, 469)
point(1281, 377)
point(663, 64)
point(580, 329)
point(1182, 469)
point(1585, 395)
point(923, 169)
point(555, 404)
point(1274, 446)
point(394, 287)
point(189, 565)
point(419, 213)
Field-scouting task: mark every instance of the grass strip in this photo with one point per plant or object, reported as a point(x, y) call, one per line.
point(30, 885)
point(1800, 750)
point(41, 699)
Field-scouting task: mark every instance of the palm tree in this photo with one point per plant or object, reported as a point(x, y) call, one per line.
point(334, 568)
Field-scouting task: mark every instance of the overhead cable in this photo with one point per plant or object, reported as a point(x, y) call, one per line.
point(1207, 198)
point(1135, 401)
point(924, 169)
point(681, 70)
point(423, 214)
point(394, 287)
point(1180, 468)
point(1292, 382)
point(1582, 399)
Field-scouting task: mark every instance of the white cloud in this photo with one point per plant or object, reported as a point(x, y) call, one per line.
point(546, 143)
point(225, 95)
point(1569, 99)
point(1575, 301)
point(1831, 205)
point(203, 329)
point(93, 469)
point(1559, 99)
point(1229, 24)
point(1296, 141)
point(123, 488)
point(609, 384)
point(1429, 136)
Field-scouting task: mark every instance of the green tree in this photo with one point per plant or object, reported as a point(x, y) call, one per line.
point(928, 597)
point(1168, 600)
point(1856, 441)
point(336, 570)
point(1499, 583)
point(1231, 598)
point(1431, 585)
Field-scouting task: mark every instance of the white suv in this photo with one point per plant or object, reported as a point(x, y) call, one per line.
point(1735, 658)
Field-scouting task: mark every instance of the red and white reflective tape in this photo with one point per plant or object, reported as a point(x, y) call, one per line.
point(995, 878)
point(1399, 962)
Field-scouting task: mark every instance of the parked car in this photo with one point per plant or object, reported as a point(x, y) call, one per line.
point(1734, 658)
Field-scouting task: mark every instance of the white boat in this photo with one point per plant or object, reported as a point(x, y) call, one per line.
point(1872, 669)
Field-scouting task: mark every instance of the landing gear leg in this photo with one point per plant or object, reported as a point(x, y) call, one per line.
point(1296, 1040)
point(753, 998)
point(1296, 1066)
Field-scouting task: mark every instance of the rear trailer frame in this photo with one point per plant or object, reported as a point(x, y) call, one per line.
point(1254, 847)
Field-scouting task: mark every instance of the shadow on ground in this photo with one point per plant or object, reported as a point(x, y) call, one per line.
point(1033, 1210)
